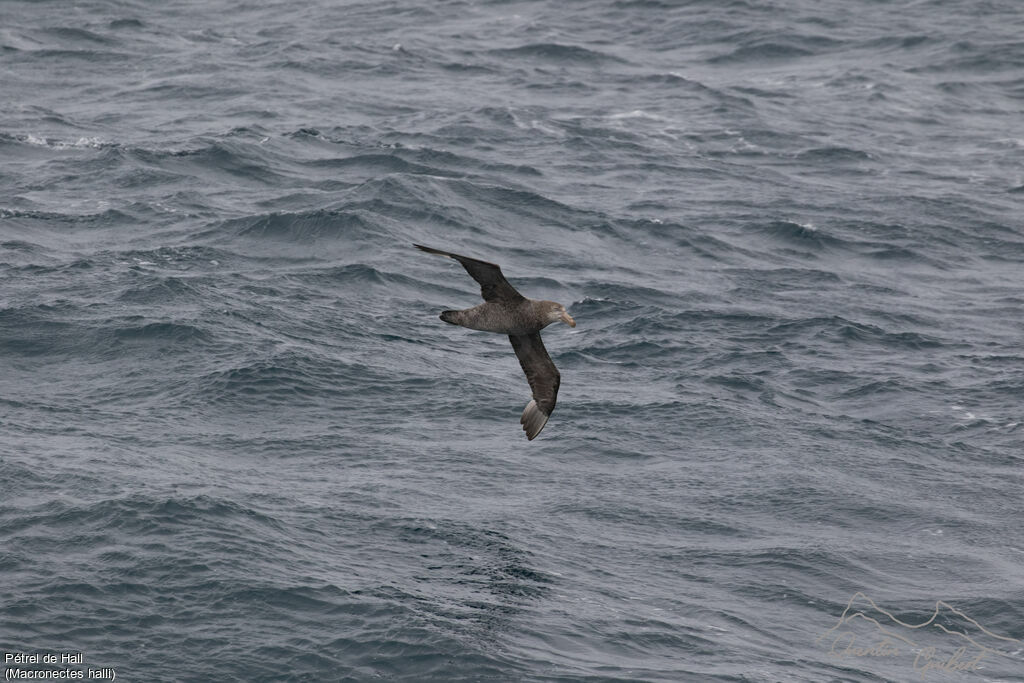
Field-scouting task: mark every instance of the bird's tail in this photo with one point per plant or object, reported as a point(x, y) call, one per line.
point(450, 317)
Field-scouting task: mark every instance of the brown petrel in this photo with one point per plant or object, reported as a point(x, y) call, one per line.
point(506, 311)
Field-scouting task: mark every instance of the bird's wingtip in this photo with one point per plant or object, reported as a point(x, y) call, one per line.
point(533, 420)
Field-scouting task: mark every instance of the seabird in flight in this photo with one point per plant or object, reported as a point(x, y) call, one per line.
point(506, 311)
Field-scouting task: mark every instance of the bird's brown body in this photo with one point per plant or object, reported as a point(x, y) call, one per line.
point(524, 317)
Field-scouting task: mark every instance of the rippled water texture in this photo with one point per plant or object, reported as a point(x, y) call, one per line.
point(236, 443)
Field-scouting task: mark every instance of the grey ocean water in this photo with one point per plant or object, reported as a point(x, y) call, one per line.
point(236, 443)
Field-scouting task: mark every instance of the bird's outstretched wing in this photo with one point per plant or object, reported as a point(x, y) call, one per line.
point(543, 377)
point(493, 285)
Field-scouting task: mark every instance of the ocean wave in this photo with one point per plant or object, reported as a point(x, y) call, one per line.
point(837, 329)
point(141, 513)
point(377, 164)
point(558, 53)
point(75, 34)
point(291, 379)
point(305, 227)
point(833, 155)
point(802, 234)
point(83, 142)
point(767, 51)
point(162, 333)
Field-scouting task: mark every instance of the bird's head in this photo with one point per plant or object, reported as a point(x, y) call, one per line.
point(556, 312)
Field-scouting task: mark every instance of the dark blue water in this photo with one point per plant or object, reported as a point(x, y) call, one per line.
point(236, 442)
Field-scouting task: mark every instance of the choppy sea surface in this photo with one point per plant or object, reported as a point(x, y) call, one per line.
point(236, 442)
